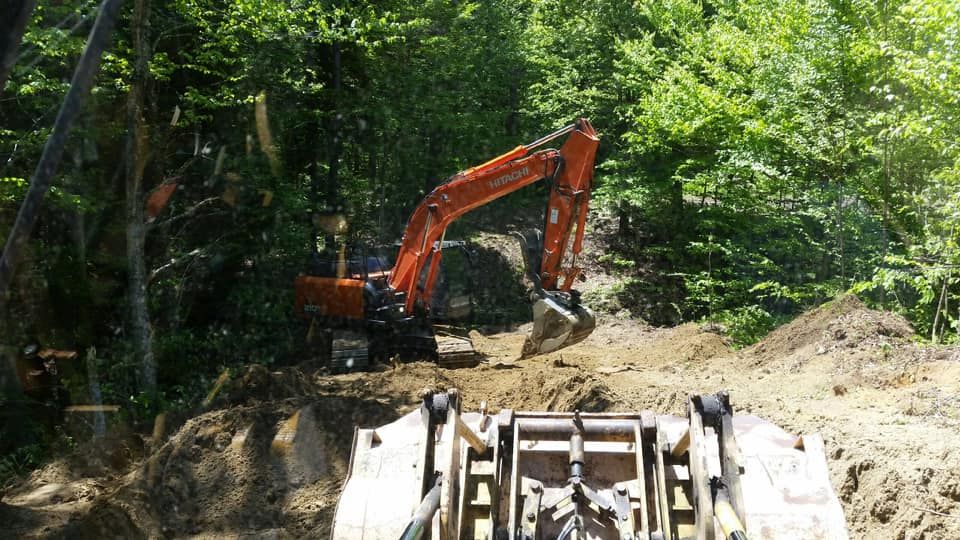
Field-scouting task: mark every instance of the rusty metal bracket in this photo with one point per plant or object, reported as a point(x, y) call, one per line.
point(624, 512)
point(601, 502)
point(532, 494)
point(697, 454)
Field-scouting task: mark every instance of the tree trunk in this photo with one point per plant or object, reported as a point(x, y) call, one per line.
point(12, 26)
point(676, 206)
point(839, 225)
point(623, 220)
point(84, 329)
point(333, 178)
point(42, 177)
point(96, 396)
point(137, 138)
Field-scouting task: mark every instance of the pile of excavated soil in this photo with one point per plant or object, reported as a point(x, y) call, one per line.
point(861, 346)
point(221, 472)
point(497, 280)
point(843, 323)
point(687, 343)
point(559, 388)
point(888, 409)
point(217, 475)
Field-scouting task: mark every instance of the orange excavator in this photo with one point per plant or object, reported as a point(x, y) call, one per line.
point(390, 309)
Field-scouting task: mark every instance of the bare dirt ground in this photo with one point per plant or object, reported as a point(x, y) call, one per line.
point(888, 409)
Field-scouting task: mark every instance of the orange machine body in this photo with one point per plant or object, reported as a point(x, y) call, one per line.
point(329, 297)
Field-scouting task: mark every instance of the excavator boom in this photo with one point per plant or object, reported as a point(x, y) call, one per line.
point(551, 256)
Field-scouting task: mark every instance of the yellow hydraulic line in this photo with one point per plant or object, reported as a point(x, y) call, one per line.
point(730, 523)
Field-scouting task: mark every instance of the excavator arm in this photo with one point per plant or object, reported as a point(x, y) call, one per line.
point(559, 320)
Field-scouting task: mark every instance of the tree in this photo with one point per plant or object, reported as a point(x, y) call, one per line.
point(137, 159)
point(16, 14)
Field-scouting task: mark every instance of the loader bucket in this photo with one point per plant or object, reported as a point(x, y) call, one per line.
point(637, 475)
point(556, 326)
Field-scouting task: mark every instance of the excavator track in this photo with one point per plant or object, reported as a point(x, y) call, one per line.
point(456, 352)
point(354, 351)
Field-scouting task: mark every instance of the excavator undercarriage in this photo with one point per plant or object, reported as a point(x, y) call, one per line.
point(443, 474)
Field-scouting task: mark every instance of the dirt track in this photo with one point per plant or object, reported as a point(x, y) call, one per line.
point(888, 409)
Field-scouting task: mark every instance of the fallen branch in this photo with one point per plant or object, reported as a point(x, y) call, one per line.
point(199, 252)
point(935, 512)
point(189, 212)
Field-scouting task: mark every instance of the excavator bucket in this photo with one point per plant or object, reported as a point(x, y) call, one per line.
point(556, 326)
point(557, 322)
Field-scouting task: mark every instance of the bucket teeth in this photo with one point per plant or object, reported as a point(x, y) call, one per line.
point(556, 326)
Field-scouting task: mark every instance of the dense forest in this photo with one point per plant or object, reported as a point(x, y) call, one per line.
point(758, 157)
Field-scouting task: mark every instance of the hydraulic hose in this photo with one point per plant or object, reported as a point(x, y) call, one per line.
point(420, 523)
point(730, 523)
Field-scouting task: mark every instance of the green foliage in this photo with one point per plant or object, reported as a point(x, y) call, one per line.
point(778, 149)
point(651, 300)
point(18, 463)
point(746, 325)
point(614, 298)
point(616, 260)
point(916, 290)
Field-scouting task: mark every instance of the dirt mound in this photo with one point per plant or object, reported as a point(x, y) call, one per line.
point(843, 323)
point(689, 343)
point(561, 388)
point(234, 471)
point(228, 471)
point(497, 280)
point(223, 472)
point(578, 393)
point(648, 346)
point(116, 452)
point(906, 502)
